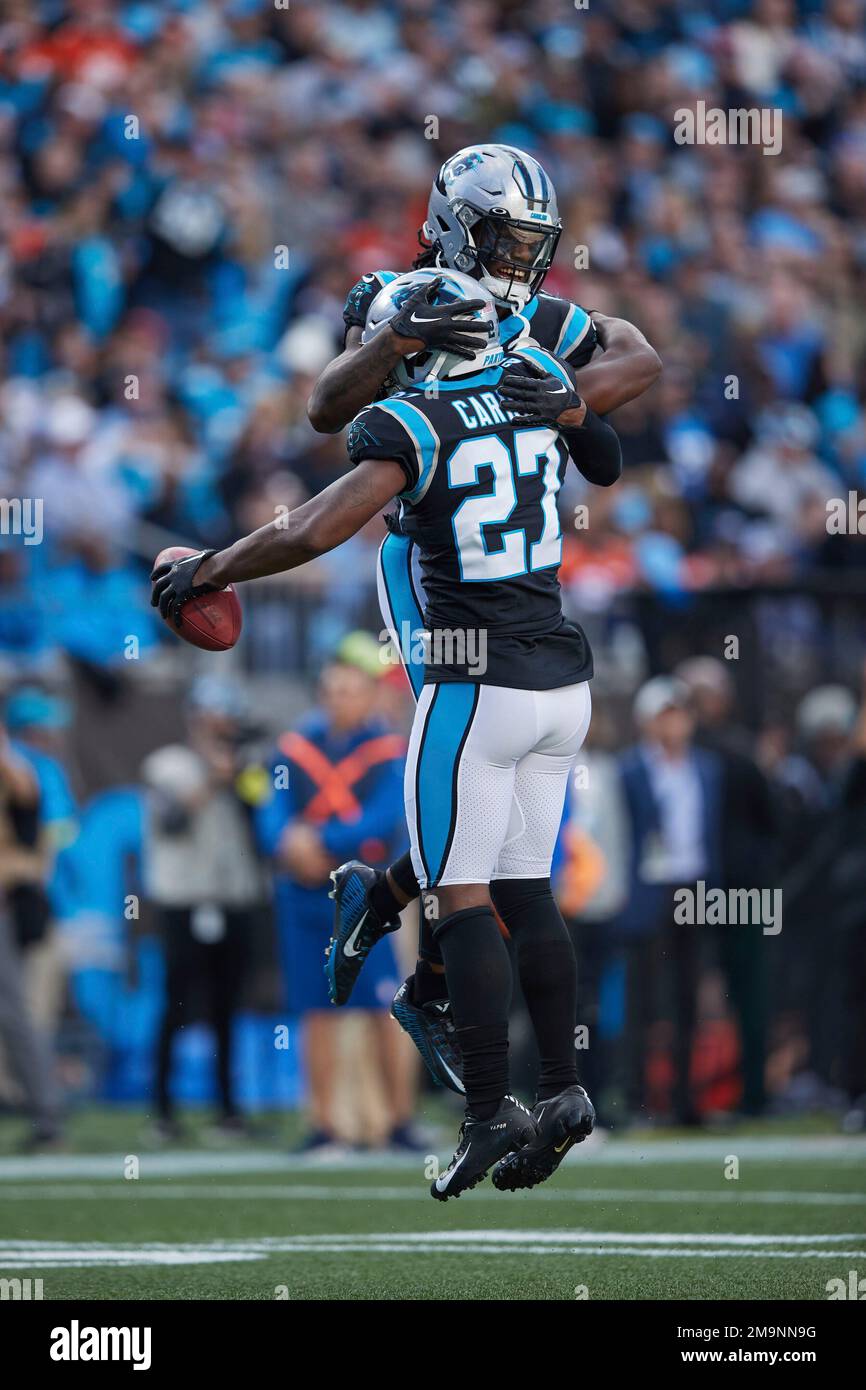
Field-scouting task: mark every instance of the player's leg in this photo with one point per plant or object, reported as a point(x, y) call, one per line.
point(386, 1048)
point(397, 1066)
point(544, 954)
point(367, 902)
point(320, 1046)
point(183, 962)
point(401, 602)
point(302, 925)
point(465, 745)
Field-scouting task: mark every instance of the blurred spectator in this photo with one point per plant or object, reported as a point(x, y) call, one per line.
point(749, 854)
point(589, 877)
point(24, 918)
point(203, 874)
point(782, 478)
point(824, 886)
point(37, 723)
point(673, 792)
point(338, 795)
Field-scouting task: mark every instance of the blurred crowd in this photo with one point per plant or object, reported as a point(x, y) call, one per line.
point(187, 192)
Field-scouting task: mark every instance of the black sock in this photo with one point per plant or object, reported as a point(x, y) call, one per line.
point(403, 875)
point(478, 970)
point(383, 900)
point(548, 975)
point(429, 984)
point(428, 947)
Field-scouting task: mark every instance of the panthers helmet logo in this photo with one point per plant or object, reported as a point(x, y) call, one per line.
point(456, 167)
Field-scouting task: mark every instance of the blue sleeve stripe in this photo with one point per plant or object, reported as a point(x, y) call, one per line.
point(425, 442)
point(573, 331)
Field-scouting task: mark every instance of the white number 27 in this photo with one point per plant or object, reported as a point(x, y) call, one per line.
point(533, 449)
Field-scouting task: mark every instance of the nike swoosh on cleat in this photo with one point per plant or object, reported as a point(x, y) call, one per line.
point(558, 1148)
point(442, 1186)
point(454, 1077)
point(349, 944)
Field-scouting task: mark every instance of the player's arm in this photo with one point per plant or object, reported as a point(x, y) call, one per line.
point(355, 378)
point(317, 526)
point(595, 450)
point(626, 368)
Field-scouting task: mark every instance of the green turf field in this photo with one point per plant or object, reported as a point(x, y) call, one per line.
point(652, 1218)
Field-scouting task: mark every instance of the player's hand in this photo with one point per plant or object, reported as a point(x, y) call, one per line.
point(174, 584)
point(425, 325)
point(540, 399)
point(301, 853)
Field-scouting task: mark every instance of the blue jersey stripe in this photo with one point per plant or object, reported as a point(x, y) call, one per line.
point(448, 722)
point(395, 560)
point(574, 330)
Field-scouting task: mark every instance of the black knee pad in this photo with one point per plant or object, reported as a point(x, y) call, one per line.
point(527, 907)
point(515, 894)
point(455, 918)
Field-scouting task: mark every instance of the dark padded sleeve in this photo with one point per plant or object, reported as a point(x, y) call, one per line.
point(360, 297)
point(595, 450)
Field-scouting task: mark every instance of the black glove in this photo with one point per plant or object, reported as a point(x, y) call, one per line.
point(173, 584)
point(440, 325)
point(539, 399)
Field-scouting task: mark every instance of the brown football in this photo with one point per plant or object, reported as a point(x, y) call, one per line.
point(211, 621)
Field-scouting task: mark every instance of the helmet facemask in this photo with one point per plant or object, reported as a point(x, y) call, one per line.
point(508, 257)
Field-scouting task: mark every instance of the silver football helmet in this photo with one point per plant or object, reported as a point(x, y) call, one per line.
point(436, 364)
point(493, 215)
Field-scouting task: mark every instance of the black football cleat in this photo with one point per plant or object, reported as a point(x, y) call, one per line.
point(561, 1122)
point(357, 927)
point(481, 1144)
point(431, 1028)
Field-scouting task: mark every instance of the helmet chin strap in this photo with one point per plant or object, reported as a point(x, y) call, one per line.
point(514, 304)
point(508, 306)
point(436, 366)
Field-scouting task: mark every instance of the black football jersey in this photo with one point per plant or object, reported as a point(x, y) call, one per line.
point(556, 324)
point(480, 503)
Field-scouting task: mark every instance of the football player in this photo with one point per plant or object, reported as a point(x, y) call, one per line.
point(493, 215)
point(475, 449)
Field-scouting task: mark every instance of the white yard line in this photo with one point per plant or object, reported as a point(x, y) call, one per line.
point(183, 1163)
point(20, 1255)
